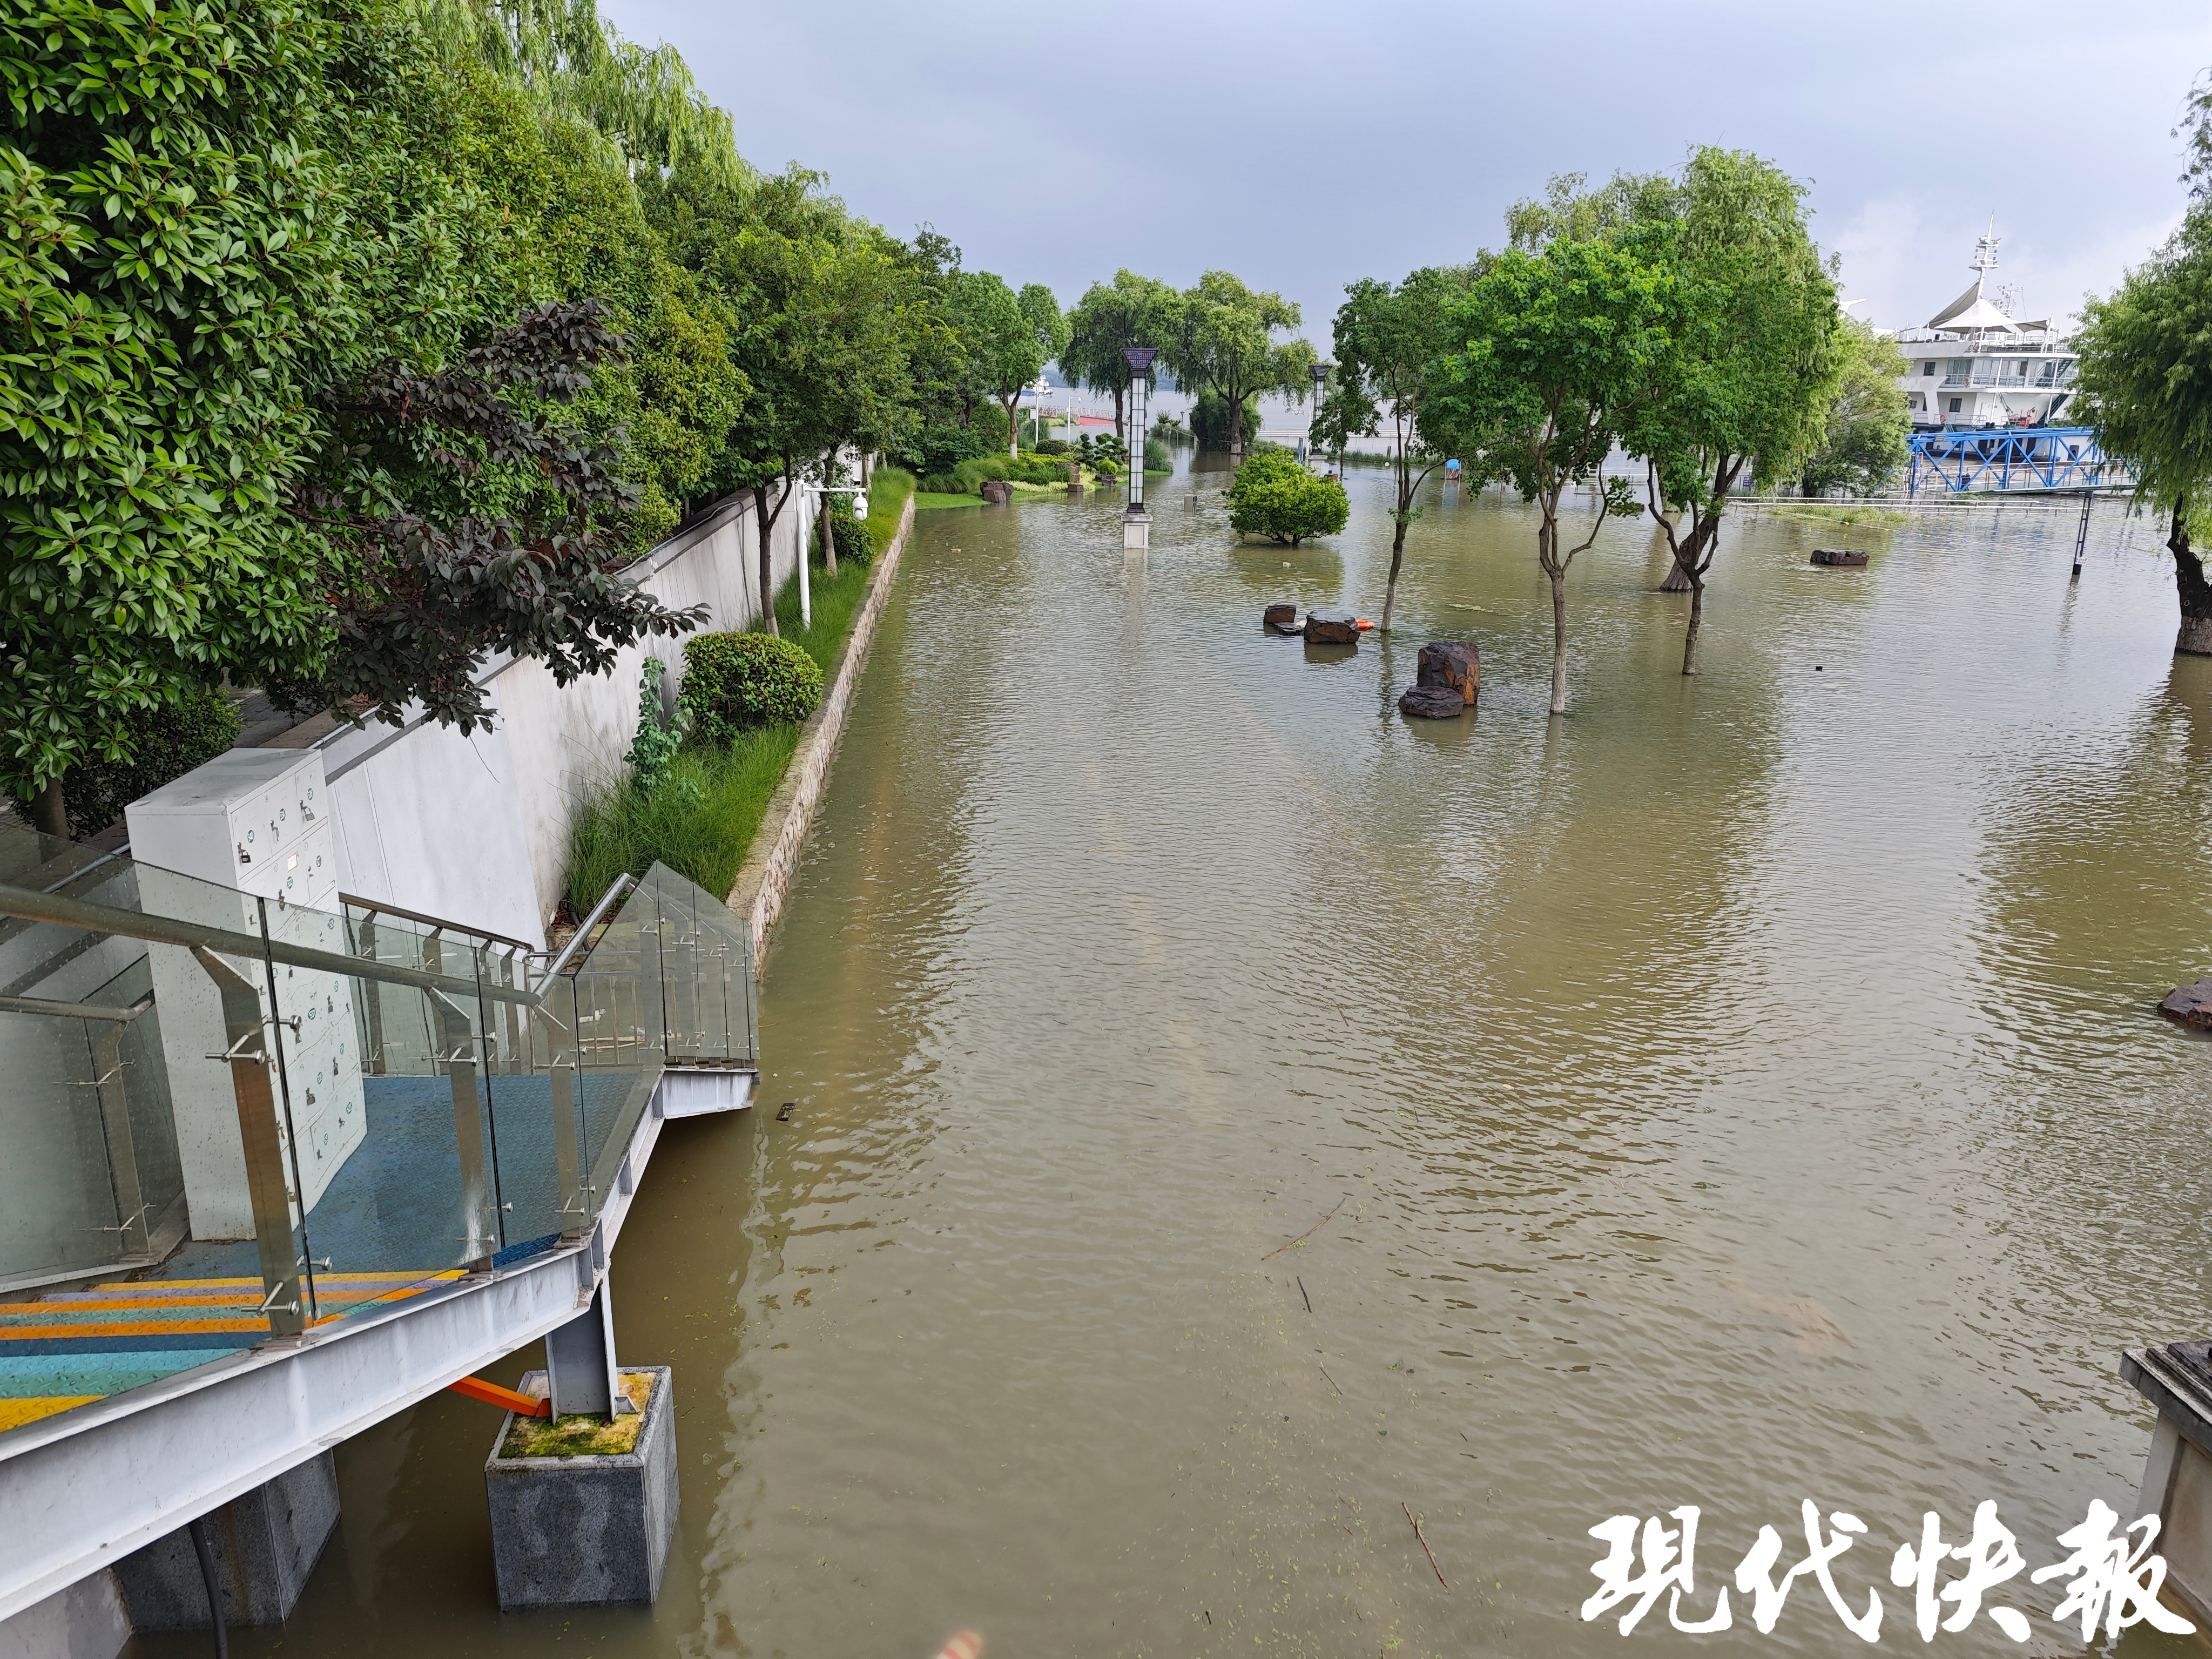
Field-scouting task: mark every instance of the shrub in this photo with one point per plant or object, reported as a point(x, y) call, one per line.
point(1051, 446)
point(939, 448)
point(1273, 496)
point(660, 734)
point(1158, 458)
point(734, 682)
point(190, 732)
point(849, 534)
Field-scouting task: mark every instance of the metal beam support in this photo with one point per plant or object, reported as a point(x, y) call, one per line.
point(122, 1149)
point(580, 1362)
point(284, 1297)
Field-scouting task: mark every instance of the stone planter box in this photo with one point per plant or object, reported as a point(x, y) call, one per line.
point(579, 1531)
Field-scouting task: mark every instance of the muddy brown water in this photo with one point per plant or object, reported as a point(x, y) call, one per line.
point(1743, 1091)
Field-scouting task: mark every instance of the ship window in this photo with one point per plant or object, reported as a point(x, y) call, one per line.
point(1954, 405)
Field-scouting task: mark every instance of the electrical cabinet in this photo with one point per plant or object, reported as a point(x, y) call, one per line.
point(246, 834)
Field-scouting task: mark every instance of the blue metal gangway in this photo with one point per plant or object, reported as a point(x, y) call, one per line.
point(2017, 459)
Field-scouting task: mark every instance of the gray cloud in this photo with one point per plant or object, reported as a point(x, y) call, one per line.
point(1303, 145)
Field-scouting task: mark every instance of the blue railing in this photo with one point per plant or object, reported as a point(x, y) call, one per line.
point(2019, 457)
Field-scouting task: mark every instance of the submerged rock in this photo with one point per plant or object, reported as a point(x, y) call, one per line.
point(1433, 702)
point(996, 490)
point(1455, 663)
point(1280, 618)
point(1332, 627)
point(2189, 1006)
point(1841, 557)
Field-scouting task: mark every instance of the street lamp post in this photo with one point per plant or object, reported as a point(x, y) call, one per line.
point(1320, 373)
point(1136, 523)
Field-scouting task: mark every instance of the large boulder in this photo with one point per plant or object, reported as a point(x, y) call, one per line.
point(1280, 618)
point(1841, 558)
point(1454, 663)
point(997, 490)
point(1433, 702)
point(2189, 1006)
point(1332, 627)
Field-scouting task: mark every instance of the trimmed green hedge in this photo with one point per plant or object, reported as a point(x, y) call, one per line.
point(734, 682)
point(1275, 497)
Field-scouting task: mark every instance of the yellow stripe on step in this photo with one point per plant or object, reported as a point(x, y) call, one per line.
point(14, 1413)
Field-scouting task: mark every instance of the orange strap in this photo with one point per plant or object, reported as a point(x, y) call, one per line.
point(491, 1394)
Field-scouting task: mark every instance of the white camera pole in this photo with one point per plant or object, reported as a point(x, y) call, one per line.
point(860, 495)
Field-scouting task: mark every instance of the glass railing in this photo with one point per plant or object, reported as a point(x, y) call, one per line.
point(272, 1115)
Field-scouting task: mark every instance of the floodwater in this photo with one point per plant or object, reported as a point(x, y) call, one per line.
point(1743, 1090)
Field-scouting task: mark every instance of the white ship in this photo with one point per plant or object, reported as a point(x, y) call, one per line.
point(1974, 365)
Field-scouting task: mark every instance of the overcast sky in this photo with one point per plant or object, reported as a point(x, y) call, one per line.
point(1302, 146)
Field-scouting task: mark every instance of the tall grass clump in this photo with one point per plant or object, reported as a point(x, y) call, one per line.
point(700, 822)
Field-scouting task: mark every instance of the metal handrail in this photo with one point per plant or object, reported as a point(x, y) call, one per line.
point(52, 908)
point(622, 884)
point(73, 1010)
point(378, 907)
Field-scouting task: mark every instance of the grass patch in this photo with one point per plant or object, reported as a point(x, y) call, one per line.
point(699, 823)
point(582, 1436)
point(926, 500)
point(1840, 513)
point(888, 489)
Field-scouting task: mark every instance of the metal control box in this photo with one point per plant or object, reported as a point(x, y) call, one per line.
point(248, 834)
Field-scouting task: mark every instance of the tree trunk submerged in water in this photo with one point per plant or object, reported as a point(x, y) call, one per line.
point(1560, 642)
point(2194, 637)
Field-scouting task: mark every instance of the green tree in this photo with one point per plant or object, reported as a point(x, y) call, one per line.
point(174, 271)
point(1562, 351)
point(1272, 495)
point(1225, 342)
point(2145, 385)
point(1391, 343)
point(1130, 311)
point(1865, 431)
point(1009, 338)
point(1754, 364)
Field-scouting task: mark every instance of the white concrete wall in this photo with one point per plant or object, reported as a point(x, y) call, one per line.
point(476, 828)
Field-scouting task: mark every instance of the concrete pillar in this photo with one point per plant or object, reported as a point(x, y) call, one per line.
point(264, 1545)
point(2177, 1474)
point(580, 1360)
point(1136, 532)
point(579, 1531)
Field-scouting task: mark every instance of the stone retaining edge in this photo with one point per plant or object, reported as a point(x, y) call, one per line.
point(764, 879)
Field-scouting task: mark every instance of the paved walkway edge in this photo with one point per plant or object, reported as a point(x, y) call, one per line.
point(764, 879)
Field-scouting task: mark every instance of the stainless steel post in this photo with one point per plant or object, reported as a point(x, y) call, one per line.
point(284, 1298)
point(457, 1052)
point(122, 1153)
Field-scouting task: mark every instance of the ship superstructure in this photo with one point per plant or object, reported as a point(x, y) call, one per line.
point(1974, 365)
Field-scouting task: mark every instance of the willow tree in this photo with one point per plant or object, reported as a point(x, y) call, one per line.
point(1562, 352)
point(1110, 316)
point(1225, 342)
point(1754, 362)
point(2146, 385)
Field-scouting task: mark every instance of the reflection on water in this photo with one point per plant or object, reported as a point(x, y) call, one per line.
point(1744, 1089)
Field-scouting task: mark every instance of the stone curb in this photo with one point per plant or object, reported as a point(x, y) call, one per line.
point(764, 879)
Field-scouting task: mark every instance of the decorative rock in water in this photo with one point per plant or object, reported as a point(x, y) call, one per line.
point(1841, 557)
point(1432, 702)
point(2189, 1006)
point(996, 490)
point(1280, 618)
point(1332, 627)
point(1455, 663)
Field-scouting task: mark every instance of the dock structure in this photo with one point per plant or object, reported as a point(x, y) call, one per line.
point(196, 1304)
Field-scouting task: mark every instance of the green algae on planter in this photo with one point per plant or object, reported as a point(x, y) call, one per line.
point(582, 1436)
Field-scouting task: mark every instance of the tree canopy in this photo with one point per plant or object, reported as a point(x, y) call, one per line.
point(1130, 311)
point(1225, 342)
